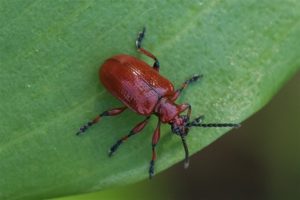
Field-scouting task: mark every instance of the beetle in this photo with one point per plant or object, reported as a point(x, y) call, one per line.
point(145, 91)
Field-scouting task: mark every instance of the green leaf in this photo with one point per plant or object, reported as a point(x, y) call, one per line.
point(50, 52)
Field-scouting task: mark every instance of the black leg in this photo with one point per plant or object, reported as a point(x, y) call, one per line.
point(138, 44)
point(184, 85)
point(111, 112)
point(155, 139)
point(138, 128)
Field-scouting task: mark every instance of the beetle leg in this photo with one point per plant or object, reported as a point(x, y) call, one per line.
point(138, 128)
point(138, 44)
point(184, 85)
point(111, 112)
point(184, 107)
point(155, 139)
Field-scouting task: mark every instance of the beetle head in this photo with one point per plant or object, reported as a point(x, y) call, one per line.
point(178, 125)
point(181, 124)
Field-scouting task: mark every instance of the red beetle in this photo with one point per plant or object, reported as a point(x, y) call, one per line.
point(142, 89)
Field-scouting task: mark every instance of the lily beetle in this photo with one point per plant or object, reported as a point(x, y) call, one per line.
point(142, 89)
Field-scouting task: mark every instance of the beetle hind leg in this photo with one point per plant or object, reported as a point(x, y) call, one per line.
point(155, 139)
point(111, 112)
point(138, 44)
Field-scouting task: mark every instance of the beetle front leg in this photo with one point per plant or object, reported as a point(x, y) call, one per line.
point(184, 107)
point(155, 139)
point(138, 44)
point(184, 85)
point(138, 128)
point(111, 112)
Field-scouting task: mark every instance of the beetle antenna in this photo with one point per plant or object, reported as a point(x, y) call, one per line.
point(218, 125)
point(198, 122)
point(186, 150)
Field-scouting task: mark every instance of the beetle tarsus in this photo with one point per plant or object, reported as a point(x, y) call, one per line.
point(114, 148)
point(79, 133)
point(84, 128)
point(110, 153)
point(151, 169)
point(194, 78)
point(141, 35)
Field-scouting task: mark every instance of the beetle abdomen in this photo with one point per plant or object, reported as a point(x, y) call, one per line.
point(134, 82)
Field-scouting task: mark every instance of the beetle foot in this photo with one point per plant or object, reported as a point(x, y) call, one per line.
point(151, 169)
point(113, 149)
point(140, 38)
point(78, 133)
point(196, 77)
point(82, 130)
point(110, 153)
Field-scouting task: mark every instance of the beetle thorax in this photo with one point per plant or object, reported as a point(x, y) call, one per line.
point(166, 110)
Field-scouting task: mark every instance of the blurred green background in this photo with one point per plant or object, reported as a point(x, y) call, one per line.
point(260, 160)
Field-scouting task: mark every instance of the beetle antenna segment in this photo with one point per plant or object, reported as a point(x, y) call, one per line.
point(186, 150)
point(198, 122)
point(218, 125)
point(112, 112)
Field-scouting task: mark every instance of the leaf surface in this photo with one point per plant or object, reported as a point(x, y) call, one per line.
point(50, 53)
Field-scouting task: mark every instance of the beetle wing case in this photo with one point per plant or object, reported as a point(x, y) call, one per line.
point(134, 82)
